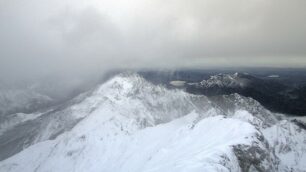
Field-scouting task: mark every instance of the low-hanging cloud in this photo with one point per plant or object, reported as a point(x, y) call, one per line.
point(76, 37)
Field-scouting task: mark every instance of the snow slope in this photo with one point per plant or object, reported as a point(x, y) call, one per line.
point(180, 145)
point(127, 94)
point(129, 124)
point(289, 143)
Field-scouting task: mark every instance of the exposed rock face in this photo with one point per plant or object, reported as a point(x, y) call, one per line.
point(256, 157)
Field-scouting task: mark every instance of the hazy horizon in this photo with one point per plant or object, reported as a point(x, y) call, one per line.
point(64, 38)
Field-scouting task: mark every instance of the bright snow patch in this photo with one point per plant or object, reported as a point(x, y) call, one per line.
point(177, 83)
point(273, 76)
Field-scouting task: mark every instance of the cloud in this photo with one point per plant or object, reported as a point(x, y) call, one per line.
point(74, 37)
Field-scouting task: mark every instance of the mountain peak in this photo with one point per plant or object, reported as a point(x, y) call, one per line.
point(130, 124)
point(226, 80)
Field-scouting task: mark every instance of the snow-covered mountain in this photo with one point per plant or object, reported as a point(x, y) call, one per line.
point(130, 95)
point(226, 80)
point(276, 95)
point(129, 124)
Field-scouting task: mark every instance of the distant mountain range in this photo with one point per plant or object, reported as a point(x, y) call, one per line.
point(283, 94)
point(274, 95)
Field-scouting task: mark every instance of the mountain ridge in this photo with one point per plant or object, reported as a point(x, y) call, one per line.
point(128, 120)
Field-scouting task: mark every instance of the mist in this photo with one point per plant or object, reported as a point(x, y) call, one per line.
point(83, 39)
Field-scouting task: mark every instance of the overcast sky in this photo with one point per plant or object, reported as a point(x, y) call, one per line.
point(84, 37)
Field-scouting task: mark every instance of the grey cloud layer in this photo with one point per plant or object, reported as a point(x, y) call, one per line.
point(85, 37)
